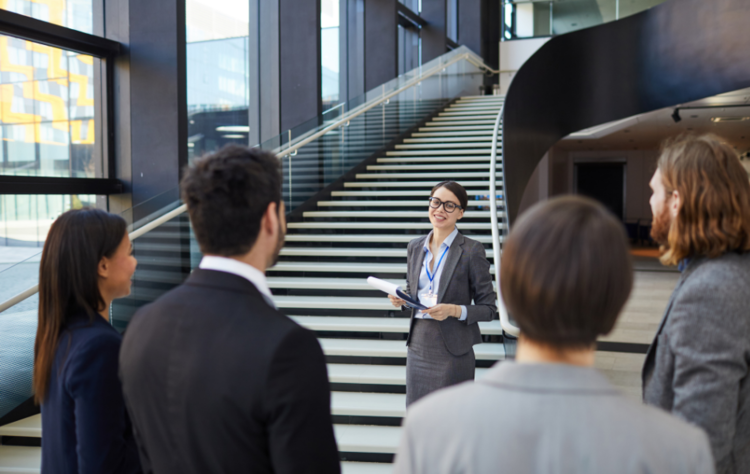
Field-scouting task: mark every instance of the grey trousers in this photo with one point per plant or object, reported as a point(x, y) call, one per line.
point(429, 365)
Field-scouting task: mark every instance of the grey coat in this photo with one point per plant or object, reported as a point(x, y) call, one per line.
point(465, 277)
point(697, 366)
point(545, 419)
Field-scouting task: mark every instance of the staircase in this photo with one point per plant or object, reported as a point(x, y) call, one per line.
point(320, 280)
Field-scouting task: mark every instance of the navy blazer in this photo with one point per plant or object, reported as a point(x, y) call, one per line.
point(84, 422)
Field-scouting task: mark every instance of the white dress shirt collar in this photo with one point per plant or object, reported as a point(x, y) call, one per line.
point(448, 240)
point(230, 265)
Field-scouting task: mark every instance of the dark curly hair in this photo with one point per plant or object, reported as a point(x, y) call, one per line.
point(227, 194)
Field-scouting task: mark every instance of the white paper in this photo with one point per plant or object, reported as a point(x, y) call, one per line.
point(384, 286)
point(394, 290)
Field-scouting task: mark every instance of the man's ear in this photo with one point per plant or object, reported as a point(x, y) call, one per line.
point(676, 203)
point(271, 218)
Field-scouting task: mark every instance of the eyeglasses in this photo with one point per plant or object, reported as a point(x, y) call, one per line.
point(449, 207)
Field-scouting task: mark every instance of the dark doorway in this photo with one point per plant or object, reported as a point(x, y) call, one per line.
point(604, 182)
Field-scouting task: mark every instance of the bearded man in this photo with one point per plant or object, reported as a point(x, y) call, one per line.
point(697, 365)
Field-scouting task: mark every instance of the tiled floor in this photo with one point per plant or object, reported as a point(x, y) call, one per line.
point(637, 324)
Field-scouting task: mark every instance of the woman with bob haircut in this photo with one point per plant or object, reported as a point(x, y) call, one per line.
point(86, 263)
point(698, 365)
point(445, 272)
point(565, 276)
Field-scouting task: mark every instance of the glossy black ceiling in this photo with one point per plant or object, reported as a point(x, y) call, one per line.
point(679, 51)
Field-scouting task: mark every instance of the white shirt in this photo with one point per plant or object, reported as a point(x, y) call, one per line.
point(424, 280)
point(248, 272)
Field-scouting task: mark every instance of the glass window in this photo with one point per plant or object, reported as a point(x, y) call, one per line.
point(74, 14)
point(26, 219)
point(452, 20)
point(408, 49)
point(217, 74)
point(47, 111)
point(329, 50)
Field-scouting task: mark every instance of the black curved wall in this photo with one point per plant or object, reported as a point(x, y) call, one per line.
point(676, 52)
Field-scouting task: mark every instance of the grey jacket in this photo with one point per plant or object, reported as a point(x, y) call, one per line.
point(465, 277)
point(545, 419)
point(697, 366)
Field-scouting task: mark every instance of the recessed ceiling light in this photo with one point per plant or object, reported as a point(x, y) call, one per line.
point(233, 136)
point(729, 119)
point(233, 128)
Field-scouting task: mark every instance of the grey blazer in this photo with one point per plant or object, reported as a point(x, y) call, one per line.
point(465, 277)
point(545, 419)
point(697, 365)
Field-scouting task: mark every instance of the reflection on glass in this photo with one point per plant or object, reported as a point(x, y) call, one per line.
point(527, 19)
point(46, 111)
point(25, 219)
point(75, 14)
point(408, 49)
point(329, 51)
point(217, 74)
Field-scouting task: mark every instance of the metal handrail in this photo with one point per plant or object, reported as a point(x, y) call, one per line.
point(354, 113)
point(468, 56)
point(505, 323)
point(133, 235)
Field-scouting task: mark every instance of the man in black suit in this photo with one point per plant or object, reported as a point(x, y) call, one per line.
point(216, 379)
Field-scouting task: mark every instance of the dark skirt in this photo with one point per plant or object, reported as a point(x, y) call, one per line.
point(429, 365)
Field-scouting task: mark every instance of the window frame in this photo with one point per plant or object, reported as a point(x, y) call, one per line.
point(106, 50)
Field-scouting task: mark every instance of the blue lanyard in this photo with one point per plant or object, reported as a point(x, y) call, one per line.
point(432, 277)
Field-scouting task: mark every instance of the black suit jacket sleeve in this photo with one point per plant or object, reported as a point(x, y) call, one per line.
point(298, 401)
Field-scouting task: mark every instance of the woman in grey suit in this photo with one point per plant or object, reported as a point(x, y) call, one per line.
point(445, 272)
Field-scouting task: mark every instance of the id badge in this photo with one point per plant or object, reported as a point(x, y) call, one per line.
point(430, 300)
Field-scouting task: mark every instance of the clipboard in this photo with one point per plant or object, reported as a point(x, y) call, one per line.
point(395, 290)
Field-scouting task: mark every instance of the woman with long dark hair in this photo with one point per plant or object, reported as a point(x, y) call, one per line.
point(86, 263)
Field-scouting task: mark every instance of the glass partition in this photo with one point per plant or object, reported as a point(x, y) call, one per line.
point(533, 18)
point(423, 91)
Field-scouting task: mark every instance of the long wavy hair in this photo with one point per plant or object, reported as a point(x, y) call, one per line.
point(714, 213)
point(69, 280)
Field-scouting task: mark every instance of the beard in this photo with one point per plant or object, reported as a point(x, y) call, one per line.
point(660, 226)
point(279, 246)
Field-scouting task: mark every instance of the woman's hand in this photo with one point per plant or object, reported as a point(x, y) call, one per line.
point(397, 302)
point(443, 311)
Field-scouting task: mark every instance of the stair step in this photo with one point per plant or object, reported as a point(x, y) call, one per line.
point(431, 167)
point(375, 374)
point(443, 121)
point(427, 175)
point(386, 225)
point(474, 152)
point(433, 130)
point(348, 252)
point(367, 439)
point(368, 404)
point(422, 203)
point(30, 427)
point(369, 238)
point(20, 460)
point(385, 348)
point(483, 113)
point(343, 267)
point(366, 324)
point(338, 302)
point(414, 184)
point(477, 107)
point(391, 214)
point(483, 139)
point(429, 146)
point(425, 193)
point(348, 467)
point(456, 160)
